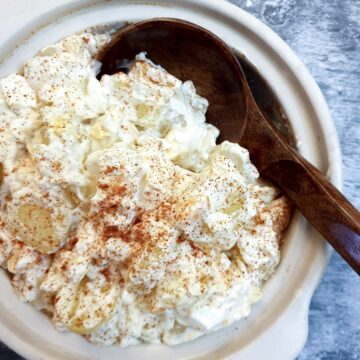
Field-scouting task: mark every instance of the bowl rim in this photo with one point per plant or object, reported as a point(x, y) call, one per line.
point(52, 7)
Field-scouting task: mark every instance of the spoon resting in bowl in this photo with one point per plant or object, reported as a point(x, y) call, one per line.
point(191, 52)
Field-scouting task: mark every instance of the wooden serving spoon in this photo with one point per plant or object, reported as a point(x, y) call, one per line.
point(191, 52)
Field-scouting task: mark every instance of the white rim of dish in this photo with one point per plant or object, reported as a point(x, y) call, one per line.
point(287, 58)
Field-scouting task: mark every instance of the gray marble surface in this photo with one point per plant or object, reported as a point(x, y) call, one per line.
point(326, 36)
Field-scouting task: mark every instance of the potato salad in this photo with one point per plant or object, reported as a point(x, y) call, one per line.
point(121, 218)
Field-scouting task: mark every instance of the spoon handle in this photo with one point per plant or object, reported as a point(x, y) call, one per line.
point(322, 204)
point(315, 197)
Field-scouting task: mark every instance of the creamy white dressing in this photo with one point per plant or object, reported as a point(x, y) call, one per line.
point(119, 213)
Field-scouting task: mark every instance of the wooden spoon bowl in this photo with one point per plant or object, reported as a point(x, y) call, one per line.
point(190, 52)
point(166, 40)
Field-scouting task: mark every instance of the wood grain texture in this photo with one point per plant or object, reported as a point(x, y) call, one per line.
point(180, 47)
point(320, 202)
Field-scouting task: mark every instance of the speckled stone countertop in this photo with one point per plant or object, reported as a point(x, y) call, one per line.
point(326, 36)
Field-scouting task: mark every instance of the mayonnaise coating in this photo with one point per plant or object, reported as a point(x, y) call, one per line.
point(120, 215)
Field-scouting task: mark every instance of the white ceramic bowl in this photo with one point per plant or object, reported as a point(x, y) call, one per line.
point(277, 325)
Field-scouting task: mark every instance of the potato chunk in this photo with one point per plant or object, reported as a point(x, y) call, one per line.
point(84, 308)
point(37, 228)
